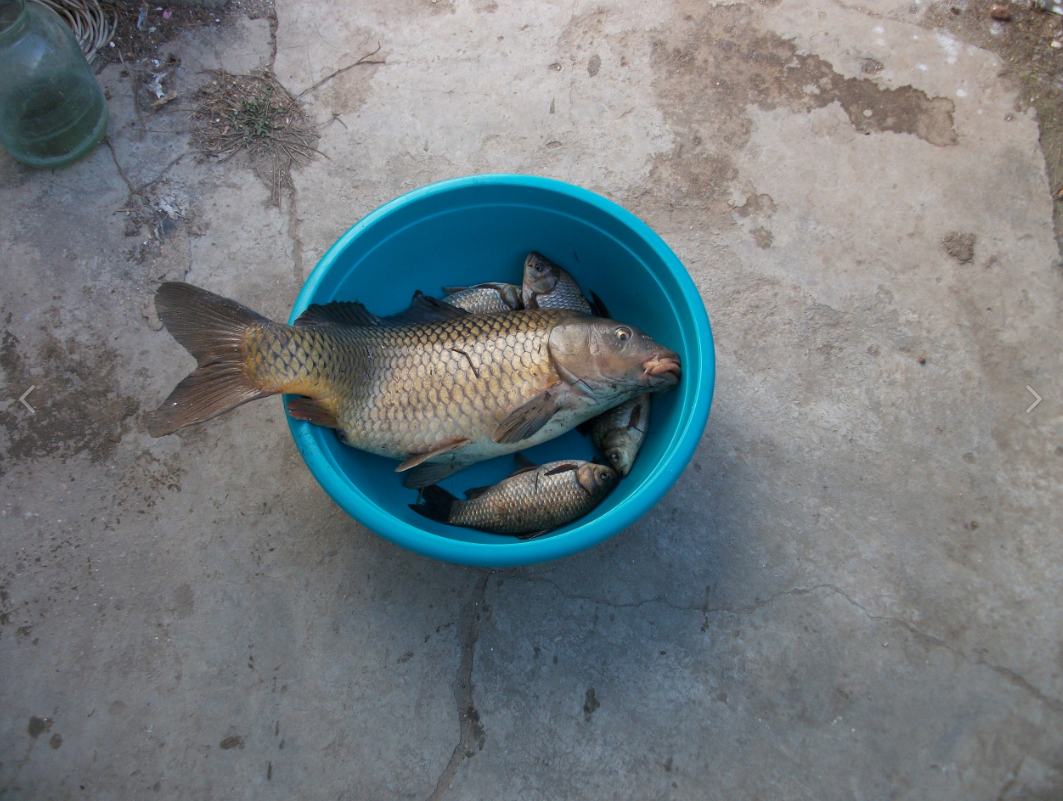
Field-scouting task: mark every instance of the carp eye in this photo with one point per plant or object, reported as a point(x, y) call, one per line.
point(614, 457)
point(603, 476)
point(623, 334)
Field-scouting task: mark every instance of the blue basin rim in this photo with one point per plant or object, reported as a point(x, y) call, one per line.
point(309, 438)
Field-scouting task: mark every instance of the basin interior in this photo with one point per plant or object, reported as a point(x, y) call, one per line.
point(464, 238)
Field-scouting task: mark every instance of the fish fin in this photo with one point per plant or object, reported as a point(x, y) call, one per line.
point(598, 308)
point(524, 465)
point(533, 534)
point(530, 416)
point(430, 473)
point(212, 329)
point(437, 503)
point(586, 427)
point(424, 309)
point(562, 468)
point(475, 492)
point(339, 312)
point(446, 447)
point(312, 411)
point(636, 416)
point(205, 393)
point(453, 290)
point(523, 462)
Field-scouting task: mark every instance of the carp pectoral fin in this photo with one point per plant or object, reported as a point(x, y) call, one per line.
point(311, 411)
point(530, 416)
point(339, 312)
point(431, 473)
point(446, 447)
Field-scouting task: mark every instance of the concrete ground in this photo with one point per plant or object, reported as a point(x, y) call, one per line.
point(854, 591)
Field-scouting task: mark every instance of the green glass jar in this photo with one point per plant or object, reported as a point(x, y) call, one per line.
point(52, 109)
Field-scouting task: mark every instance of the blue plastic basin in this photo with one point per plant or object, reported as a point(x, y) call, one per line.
point(480, 228)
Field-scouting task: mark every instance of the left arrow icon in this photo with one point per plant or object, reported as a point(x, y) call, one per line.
point(22, 399)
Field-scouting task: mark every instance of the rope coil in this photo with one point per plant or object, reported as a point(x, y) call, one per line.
point(93, 26)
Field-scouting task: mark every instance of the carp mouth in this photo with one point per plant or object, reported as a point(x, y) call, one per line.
point(663, 368)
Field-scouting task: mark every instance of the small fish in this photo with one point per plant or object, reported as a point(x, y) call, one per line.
point(484, 298)
point(547, 286)
point(530, 502)
point(620, 432)
point(433, 387)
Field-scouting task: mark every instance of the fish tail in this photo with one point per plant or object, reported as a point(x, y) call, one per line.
point(215, 330)
point(437, 504)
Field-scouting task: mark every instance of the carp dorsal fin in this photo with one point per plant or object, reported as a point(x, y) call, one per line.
point(454, 290)
point(424, 309)
point(530, 416)
point(586, 427)
point(523, 462)
point(475, 492)
point(338, 312)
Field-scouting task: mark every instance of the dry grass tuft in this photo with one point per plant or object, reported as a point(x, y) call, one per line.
point(253, 114)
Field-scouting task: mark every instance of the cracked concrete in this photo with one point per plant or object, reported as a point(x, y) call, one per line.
point(852, 592)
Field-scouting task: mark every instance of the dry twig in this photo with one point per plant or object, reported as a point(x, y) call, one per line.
point(363, 61)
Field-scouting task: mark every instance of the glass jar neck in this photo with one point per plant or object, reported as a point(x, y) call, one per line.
point(12, 19)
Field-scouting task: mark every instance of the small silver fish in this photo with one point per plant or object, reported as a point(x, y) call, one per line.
point(484, 298)
point(547, 286)
point(620, 432)
point(530, 502)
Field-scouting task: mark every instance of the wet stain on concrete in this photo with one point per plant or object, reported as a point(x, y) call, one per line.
point(725, 61)
point(183, 601)
point(763, 237)
point(590, 703)
point(78, 407)
point(38, 726)
point(960, 246)
point(233, 741)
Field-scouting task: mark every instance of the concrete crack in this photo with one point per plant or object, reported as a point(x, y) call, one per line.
point(472, 731)
point(703, 609)
point(295, 233)
point(928, 640)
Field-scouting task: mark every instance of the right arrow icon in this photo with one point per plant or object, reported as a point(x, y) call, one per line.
point(1036, 401)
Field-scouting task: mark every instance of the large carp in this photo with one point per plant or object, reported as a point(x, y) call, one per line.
point(437, 395)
